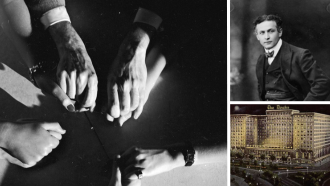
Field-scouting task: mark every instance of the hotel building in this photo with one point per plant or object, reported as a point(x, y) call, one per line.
point(302, 137)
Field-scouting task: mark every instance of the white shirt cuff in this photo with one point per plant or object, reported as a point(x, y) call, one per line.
point(54, 16)
point(148, 17)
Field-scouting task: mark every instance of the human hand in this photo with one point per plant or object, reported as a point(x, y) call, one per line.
point(118, 180)
point(29, 140)
point(150, 162)
point(49, 86)
point(75, 72)
point(155, 62)
point(127, 76)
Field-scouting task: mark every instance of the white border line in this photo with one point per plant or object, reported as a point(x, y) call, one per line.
point(249, 102)
point(228, 92)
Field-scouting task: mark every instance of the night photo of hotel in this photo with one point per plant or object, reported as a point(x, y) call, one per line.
point(282, 139)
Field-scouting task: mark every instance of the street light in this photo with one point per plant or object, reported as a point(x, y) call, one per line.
point(287, 172)
point(274, 179)
point(260, 166)
point(303, 181)
point(307, 170)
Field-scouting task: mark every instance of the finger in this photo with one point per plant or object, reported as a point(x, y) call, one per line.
point(142, 100)
point(92, 108)
point(138, 111)
point(116, 175)
point(54, 142)
point(113, 101)
point(134, 98)
point(83, 109)
point(71, 85)
point(109, 118)
point(126, 100)
point(123, 119)
point(130, 172)
point(62, 81)
point(136, 159)
point(128, 154)
point(55, 134)
point(26, 165)
point(91, 95)
point(51, 87)
point(48, 151)
point(81, 82)
point(129, 151)
point(53, 126)
point(37, 159)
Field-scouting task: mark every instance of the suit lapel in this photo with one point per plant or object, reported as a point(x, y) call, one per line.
point(286, 67)
point(285, 61)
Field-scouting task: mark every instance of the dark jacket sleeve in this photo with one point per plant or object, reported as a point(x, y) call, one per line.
point(319, 82)
point(39, 7)
point(259, 92)
point(259, 75)
point(186, 24)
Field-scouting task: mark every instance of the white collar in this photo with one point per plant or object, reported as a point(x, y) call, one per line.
point(276, 48)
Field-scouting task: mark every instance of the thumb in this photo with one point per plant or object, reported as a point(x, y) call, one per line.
point(53, 126)
point(51, 87)
point(116, 175)
point(13, 160)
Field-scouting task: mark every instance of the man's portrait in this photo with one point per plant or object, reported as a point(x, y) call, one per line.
point(278, 51)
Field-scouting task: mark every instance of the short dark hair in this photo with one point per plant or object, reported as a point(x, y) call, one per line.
point(269, 17)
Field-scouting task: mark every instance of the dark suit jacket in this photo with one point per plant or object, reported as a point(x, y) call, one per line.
point(301, 74)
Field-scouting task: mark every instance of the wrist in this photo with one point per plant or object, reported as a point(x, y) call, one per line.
point(185, 153)
point(65, 36)
point(178, 160)
point(139, 37)
point(176, 151)
point(150, 30)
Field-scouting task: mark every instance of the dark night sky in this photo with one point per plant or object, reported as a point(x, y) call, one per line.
point(261, 109)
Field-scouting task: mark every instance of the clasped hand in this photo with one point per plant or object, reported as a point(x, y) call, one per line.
point(127, 77)
point(28, 141)
point(76, 75)
point(150, 161)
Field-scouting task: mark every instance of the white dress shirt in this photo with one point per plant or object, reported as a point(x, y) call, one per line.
point(276, 48)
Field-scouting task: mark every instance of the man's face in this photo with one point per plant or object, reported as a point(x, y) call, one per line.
point(267, 34)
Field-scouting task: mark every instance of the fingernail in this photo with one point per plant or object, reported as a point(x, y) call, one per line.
point(109, 118)
point(70, 108)
point(136, 115)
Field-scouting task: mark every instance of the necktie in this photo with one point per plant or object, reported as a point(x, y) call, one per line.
point(269, 54)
